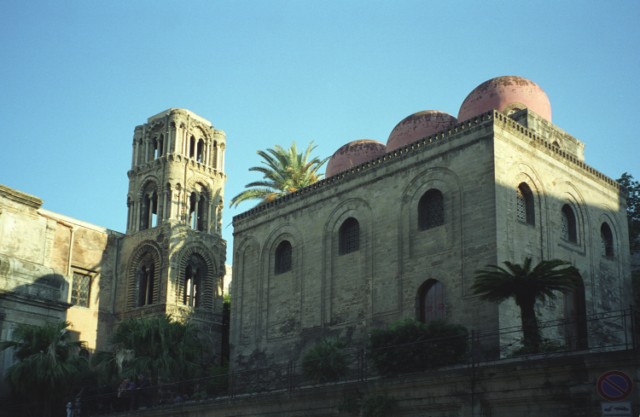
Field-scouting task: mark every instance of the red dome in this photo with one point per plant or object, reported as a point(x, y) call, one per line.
point(418, 126)
point(352, 154)
point(504, 94)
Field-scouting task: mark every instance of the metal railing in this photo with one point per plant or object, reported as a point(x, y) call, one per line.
point(611, 331)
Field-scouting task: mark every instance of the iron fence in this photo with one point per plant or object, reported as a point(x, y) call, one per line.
point(611, 331)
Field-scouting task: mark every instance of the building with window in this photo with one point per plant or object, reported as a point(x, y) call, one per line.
point(398, 230)
point(171, 260)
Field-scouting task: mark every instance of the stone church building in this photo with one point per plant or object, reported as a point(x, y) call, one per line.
point(398, 230)
point(395, 230)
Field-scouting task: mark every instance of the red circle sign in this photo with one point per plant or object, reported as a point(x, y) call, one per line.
point(614, 385)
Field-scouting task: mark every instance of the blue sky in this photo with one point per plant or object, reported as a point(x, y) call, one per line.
point(76, 77)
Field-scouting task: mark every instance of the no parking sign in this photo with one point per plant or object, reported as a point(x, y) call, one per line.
point(614, 385)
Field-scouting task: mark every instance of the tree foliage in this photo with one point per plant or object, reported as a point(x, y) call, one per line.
point(49, 367)
point(284, 171)
point(632, 188)
point(526, 285)
point(159, 347)
point(326, 361)
point(409, 346)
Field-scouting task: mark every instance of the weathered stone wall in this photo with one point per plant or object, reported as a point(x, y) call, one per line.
point(327, 294)
point(39, 253)
point(524, 156)
point(564, 386)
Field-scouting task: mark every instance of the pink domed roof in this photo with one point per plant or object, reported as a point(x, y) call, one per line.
point(418, 126)
point(505, 93)
point(352, 154)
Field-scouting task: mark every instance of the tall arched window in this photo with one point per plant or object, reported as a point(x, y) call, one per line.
point(192, 147)
point(149, 207)
point(431, 302)
point(524, 208)
point(349, 236)
point(195, 274)
point(431, 210)
point(568, 227)
point(606, 238)
point(283, 258)
point(200, 151)
point(145, 281)
point(198, 209)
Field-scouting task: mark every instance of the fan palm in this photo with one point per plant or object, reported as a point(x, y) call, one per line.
point(48, 364)
point(285, 171)
point(526, 285)
point(158, 347)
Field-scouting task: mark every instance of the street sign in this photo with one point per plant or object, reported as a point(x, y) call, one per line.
point(617, 409)
point(614, 385)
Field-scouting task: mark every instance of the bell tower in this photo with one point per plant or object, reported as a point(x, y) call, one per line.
point(173, 254)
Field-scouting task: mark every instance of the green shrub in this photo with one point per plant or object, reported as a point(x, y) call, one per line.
point(326, 361)
point(409, 346)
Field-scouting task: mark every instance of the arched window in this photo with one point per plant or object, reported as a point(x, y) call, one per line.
point(149, 207)
point(194, 276)
point(607, 240)
point(155, 148)
point(431, 210)
point(200, 151)
point(349, 236)
point(192, 147)
point(284, 255)
point(145, 281)
point(198, 207)
point(431, 301)
point(568, 227)
point(524, 208)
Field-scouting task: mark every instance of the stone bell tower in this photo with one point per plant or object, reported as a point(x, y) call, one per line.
point(173, 255)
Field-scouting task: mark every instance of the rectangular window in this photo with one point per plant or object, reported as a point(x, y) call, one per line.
point(80, 289)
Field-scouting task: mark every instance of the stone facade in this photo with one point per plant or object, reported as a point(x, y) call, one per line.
point(171, 260)
point(497, 188)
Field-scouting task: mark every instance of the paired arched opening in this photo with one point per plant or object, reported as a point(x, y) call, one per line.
point(197, 149)
point(195, 274)
point(149, 206)
point(143, 276)
point(199, 202)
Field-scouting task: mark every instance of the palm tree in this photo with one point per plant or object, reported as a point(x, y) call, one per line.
point(285, 171)
point(526, 286)
point(158, 347)
point(49, 364)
